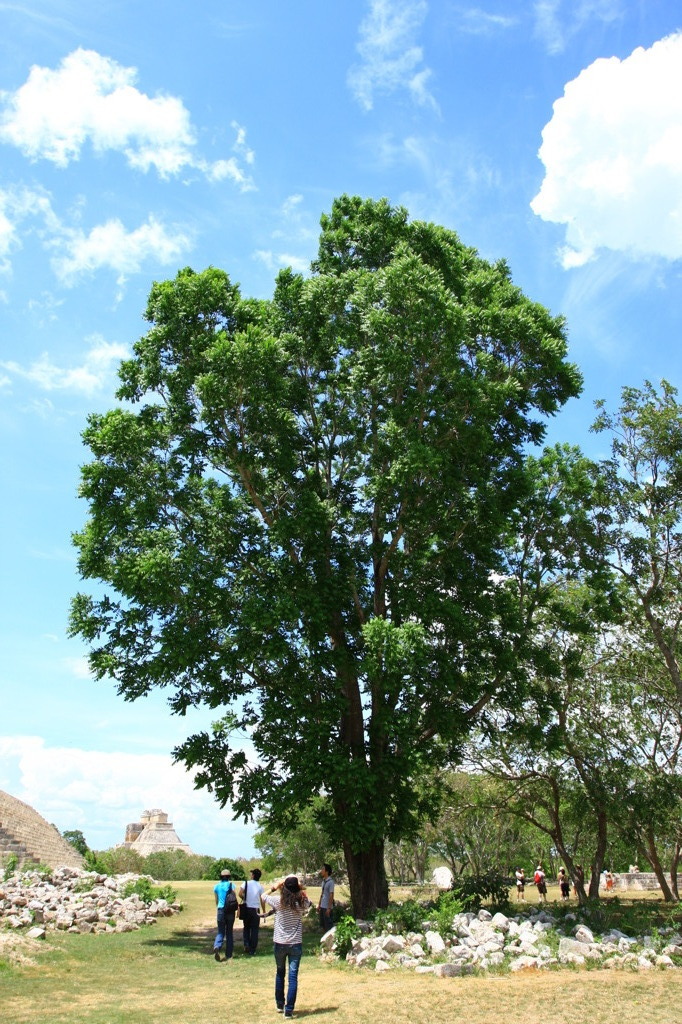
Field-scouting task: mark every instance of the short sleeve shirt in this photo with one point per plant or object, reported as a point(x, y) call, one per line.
point(327, 893)
point(221, 890)
point(288, 923)
point(252, 894)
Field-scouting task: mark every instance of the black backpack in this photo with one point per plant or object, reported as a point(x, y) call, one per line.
point(230, 899)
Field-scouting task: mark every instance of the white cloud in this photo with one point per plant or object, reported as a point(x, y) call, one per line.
point(78, 667)
point(93, 98)
point(100, 792)
point(91, 376)
point(556, 21)
point(16, 204)
point(110, 245)
point(275, 261)
point(477, 22)
point(613, 157)
point(391, 59)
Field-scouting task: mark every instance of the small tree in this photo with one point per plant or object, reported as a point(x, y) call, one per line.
point(77, 840)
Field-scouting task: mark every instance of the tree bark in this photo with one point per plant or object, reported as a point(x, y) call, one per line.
point(648, 849)
point(367, 879)
point(674, 864)
point(597, 865)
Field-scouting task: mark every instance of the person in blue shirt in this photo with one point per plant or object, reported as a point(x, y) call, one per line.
point(226, 903)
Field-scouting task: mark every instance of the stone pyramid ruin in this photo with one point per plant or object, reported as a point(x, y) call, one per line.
point(153, 833)
point(24, 833)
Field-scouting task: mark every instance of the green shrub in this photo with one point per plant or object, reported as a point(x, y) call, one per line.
point(147, 892)
point(346, 933)
point(473, 890)
point(235, 867)
point(400, 917)
point(447, 905)
point(10, 864)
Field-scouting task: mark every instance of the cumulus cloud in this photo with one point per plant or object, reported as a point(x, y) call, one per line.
point(100, 792)
point(111, 245)
point(391, 58)
point(557, 21)
point(92, 98)
point(613, 157)
point(94, 372)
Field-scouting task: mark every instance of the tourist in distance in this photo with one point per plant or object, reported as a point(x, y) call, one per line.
point(564, 884)
point(326, 901)
point(520, 884)
point(289, 903)
point(226, 903)
point(251, 893)
point(540, 884)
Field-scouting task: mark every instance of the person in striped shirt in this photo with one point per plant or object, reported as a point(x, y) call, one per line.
point(289, 903)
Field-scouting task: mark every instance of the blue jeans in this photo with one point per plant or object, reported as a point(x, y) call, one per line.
point(325, 919)
point(251, 922)
point(225, 926)
point(294, 952)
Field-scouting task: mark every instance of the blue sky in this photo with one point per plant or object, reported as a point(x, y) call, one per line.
point(138, 138)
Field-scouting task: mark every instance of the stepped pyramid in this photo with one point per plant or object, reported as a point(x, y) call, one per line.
point(25, 833)
point(153, 833)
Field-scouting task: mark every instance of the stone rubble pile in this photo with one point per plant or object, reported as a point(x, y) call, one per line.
point(75, 901)
point(481, 941)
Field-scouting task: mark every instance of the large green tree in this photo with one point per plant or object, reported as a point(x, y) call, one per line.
point(301, 512)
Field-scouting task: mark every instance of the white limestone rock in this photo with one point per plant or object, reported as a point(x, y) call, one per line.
point(435, 942)
point(525, 963)
point(442, 878)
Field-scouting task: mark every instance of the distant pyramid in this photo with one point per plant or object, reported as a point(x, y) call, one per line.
point(24, 833)
point(153, 833)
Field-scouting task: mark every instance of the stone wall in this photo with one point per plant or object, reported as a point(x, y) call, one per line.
point(636, 881)
point(24, 833)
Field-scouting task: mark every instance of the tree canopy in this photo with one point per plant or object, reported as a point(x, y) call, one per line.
point(301, 512)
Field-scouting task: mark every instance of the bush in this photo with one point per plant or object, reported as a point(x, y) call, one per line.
point(400, 917)
point(147, 892)
point(10, 864)
point(447, 905)
point(473, 890)
point(346, 933)
point(235, 867)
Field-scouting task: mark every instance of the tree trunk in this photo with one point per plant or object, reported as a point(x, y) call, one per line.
point(597, 865)
point(648, 848)
point(367, 879)
point(674, 864)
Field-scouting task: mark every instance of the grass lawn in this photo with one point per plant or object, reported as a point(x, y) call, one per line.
point(167, 975)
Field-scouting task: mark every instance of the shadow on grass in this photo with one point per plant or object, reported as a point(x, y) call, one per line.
point(199, 941)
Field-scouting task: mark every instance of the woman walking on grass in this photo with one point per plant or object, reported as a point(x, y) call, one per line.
point(289, 903)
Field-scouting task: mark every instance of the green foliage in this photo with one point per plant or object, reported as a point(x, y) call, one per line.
point(447, 906)
point(235, 867)
point(10, 864)
point(176, 866)
point(298, 510)
point(474, 890)
point(345, 935)
point(116, 861)
point(304, 844)
point(77, 839)
point(148, 892)
point(400, 917)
